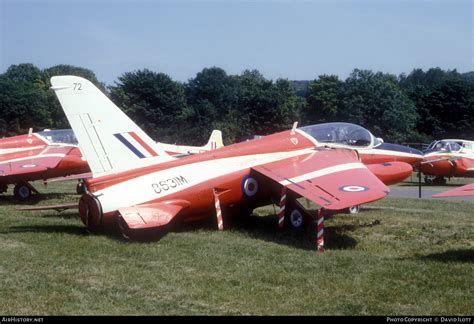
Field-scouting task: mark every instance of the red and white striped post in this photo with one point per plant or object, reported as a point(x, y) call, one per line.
point(281, 212)
point(320, 230)
point(217, 204)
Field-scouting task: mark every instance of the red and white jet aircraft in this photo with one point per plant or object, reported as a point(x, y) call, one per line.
point(137, 184)
point(38, 156)
point(448, 158)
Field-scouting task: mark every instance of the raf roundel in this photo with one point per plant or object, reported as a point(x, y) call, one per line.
point(249, 186)
point(353, 188)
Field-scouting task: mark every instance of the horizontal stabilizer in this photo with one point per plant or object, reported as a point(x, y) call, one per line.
point(467, 190)
point(151, 215)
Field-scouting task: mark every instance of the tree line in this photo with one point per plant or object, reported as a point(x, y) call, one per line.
point(417, 107)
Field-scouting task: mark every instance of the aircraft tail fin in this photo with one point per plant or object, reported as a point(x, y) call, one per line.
point(215, 141)
point(109, 140)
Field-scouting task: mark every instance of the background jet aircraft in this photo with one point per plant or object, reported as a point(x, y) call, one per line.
point(391, 163)
point(215, 142)
point(144, 189)
point(448, 158)
point(38, 156)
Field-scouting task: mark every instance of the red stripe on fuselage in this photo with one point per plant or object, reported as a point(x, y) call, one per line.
point(142, 143)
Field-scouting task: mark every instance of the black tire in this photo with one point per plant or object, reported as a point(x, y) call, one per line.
point(353, 210)
point(295, 217)
point(3, 188)
point(22, 192)
point(80, 188)
point(439, 180)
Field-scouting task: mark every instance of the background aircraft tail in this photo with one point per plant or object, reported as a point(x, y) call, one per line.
point(215, 141)
point(109, 140)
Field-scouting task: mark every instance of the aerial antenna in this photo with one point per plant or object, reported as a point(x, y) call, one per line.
point(30, 132)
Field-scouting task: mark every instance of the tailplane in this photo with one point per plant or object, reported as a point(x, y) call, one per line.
point(109, 139)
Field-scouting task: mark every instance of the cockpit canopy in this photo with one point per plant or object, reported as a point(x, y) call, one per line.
point(65, 136)
point(444, 146)
point(342, 133)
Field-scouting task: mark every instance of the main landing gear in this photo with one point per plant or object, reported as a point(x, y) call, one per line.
point(23, 191)
point(81, 187)
point(437, 180)
point(353, 210)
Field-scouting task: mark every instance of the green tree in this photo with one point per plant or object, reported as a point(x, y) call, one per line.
point(443, 101)
point(22, 105)
point(212, 99)
point(154, 101)
point(375, 101)
point(265, 107)
point(323, 98)
point(25, 72)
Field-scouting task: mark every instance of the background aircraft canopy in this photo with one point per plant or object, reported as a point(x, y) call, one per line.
point(342, 133)
point(65, 136)
point(444, 146)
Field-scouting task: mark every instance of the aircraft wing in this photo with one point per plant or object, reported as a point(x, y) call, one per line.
point(333, 179)
point(467, 190)
point(151, 215)
point(29, 165)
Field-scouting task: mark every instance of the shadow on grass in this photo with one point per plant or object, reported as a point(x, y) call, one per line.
point(265, 228)
point(462, 256)
point(76, 230)
point(68, 229)
point(64, 214)
point(7, 200)
point(423, 184)
point(259, 227)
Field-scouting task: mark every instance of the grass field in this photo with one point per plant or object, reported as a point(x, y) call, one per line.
point(398, 256)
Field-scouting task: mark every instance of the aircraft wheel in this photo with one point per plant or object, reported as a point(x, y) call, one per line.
point(439, 181)
point(90, 211)
point(353, 210)
point(429, 180)
point(22, 192)
point(80, 188)
point(295, 218)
